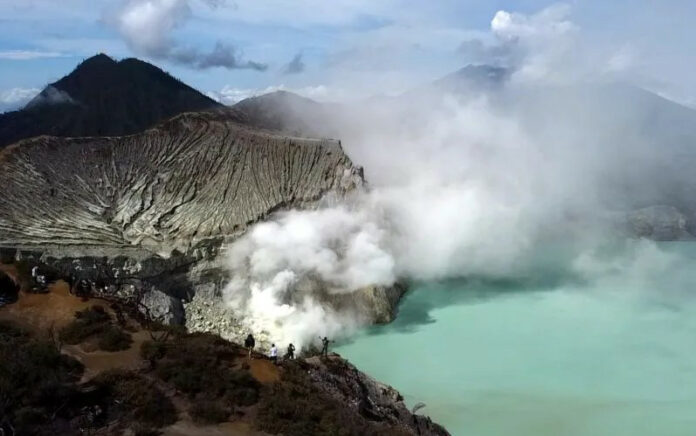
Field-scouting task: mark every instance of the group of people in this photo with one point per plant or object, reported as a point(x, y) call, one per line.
point(250, 343)
point(79, 286)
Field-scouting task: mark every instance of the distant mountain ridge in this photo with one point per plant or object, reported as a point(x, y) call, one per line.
point(103, 97)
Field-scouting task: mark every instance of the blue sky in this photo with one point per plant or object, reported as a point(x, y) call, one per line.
point(347, 48)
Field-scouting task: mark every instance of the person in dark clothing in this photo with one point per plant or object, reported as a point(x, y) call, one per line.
point(291, 352)
point(325, 347)
point(82, 289)
point(9, 290)
point(249, 343)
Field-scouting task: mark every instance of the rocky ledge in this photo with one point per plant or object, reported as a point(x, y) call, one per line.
point(367, 397)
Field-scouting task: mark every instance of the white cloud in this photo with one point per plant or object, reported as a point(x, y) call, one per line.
point(50, 96)
point(307, 12)
point(16, 98)
point(23, 55)
point(546, 46)
point(551, 22)
point(18, 95)
point(230, 95)
point(148, 26)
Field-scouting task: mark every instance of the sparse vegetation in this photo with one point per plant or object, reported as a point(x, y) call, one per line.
point(201, 366)
point(95, 322)
point(40, 394)
point(209, 412)
point(36, 382)
point(114, 339)
point(295, 407)
point(135, 401)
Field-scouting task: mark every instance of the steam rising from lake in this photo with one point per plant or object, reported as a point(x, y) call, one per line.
point(464, 181)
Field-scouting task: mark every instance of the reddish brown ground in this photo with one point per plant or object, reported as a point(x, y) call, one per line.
point(264, 370)
point(38, 312)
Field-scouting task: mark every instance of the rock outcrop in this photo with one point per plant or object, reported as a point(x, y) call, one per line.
point(195, 177)
point(660, 223)
point(367, 397)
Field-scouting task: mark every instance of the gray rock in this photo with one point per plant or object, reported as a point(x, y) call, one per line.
point(164, 308)
point(369, 398)
point(193, 178)
point(377, 304)
point(660, 223)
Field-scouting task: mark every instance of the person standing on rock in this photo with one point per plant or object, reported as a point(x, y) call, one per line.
point(291, 352)
point(325, 347)
point(249, 343)
point(274, 354)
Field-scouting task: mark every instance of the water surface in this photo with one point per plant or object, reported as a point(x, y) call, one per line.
point(606, 348)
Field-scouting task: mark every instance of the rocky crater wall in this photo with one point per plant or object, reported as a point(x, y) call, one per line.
point(195, 177)
point(144, 217)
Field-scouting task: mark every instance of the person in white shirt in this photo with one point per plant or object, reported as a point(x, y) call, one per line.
point(274, 353)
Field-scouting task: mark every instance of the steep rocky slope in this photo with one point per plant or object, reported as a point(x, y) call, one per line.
point(103, 97)
point(144, 217)
point(192, 178)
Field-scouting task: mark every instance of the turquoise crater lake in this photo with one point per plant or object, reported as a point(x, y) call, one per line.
point(608, 347)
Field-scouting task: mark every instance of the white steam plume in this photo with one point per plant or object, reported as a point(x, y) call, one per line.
point(271, 263)
point(460, 185)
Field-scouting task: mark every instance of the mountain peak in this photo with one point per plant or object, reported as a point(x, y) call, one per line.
point(98, 59)
point(476, 76)
point(103, 97)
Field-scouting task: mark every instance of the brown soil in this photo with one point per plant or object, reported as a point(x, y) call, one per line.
point(40, 312)
point(264, 371)
point(97, 361)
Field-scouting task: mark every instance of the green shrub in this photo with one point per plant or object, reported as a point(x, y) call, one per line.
point(209, 412)
point(37, 382)
point(87, 323)
point(200, 365)
point(153, 350)
point(113, 338)
point(95, 322)
point(136, 400)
